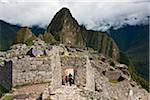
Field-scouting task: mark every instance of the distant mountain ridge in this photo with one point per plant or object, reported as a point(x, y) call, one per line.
point(134, 40)
point(66, 30)
point(8, 33)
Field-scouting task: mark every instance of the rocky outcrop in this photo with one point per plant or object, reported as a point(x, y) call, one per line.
point(67, 30)
point(24, 35)
point(47, 37)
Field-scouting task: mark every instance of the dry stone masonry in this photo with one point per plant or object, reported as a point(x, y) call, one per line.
point(56, 69)
point(94, 76)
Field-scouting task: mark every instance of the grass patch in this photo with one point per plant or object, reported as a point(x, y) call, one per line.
point(7, 97)
point(29, 42)
point(131, 68)
point(113, 81)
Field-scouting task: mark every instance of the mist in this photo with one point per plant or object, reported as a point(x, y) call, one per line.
point(94, 14)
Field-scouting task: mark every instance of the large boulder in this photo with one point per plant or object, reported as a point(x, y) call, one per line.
point(114, 75)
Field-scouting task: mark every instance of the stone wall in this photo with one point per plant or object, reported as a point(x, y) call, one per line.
point(6, 75)
point(29, 70)
point(79, 66)
point(56, 69)
point(90, 76)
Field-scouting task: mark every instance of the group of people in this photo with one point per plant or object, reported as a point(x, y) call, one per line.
point(69, 79)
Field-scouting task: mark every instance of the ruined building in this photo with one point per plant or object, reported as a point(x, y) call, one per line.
point(44, 63)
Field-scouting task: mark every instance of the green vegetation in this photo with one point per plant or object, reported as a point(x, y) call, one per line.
point(112, 63)
point(29, 42)
point(134, 75)
point(141, 81)
point(7, 34)
point(101, 42)
point(7, 97)
point(113, 81)
point(57, 36)
point(48, 38)
point(124, 58)
point(134, 40)
point(24, 35)
point(90, 98)
point(3, 90)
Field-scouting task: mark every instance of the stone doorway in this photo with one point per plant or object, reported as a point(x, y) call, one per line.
point(66, 72)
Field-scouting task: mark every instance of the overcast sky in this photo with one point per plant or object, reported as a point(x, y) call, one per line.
point(95, 14)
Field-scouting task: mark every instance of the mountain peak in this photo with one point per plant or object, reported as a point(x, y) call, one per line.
point(61, 18)
point(64, 13)
point(64, 10)
point(66, 29)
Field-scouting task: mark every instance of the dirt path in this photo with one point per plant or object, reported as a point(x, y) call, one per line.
point(67, 93)
point(30, 92)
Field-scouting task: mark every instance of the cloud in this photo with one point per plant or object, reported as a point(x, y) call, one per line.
point(94, 14)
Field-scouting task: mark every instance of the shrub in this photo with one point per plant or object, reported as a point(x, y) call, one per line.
point(131, 68)
point(112, 64)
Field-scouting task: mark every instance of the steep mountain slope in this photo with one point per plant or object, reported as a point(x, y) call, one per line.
point(134, 40)
point(67, 30)
point(8, 33)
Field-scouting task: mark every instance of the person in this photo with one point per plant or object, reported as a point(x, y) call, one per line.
point(66, 79)
point(70, 79)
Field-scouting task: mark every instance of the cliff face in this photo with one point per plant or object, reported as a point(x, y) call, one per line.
point(101, 42)
point(67, 30)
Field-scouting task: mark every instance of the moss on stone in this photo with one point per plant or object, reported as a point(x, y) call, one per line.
point(29, 42)
point(113, 81)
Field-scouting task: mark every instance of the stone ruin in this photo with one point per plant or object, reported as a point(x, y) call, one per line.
point(40, 64)
point(44, 63)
